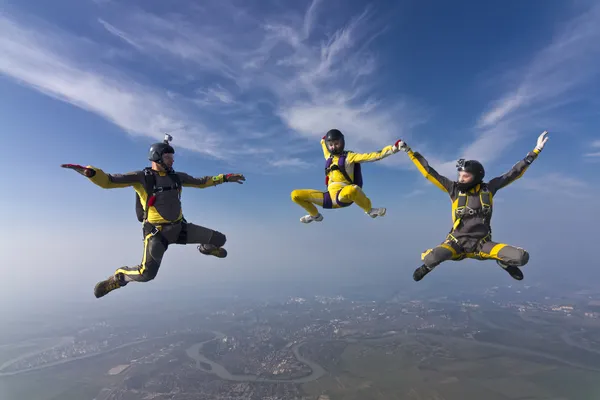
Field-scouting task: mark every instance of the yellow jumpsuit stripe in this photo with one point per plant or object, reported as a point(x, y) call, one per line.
point(139, 271)
point(494, 252)
point(426, 174)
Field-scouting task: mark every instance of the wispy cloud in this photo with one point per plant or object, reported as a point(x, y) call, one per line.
point(554, 78)
point(310, 80)
point(46, 60)
point(271, 70)
point(118, 33)
point(415, 193)
point(548, 183)
point(290, 162)
point(594, 145)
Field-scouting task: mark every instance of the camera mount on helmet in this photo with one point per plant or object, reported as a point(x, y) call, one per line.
point(157, 150)
point(473, 167)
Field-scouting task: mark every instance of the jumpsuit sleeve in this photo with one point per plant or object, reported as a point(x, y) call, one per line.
point(353, 157)
point(326, 152)
point(113, 181)
point(431, 174)
point(202, 182)
point(513, 174)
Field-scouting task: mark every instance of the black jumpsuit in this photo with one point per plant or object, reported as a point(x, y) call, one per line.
point(165, 215)
point(471, 234)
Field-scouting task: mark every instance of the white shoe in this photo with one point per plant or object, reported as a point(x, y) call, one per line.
point(307, 219)
point(376, 212)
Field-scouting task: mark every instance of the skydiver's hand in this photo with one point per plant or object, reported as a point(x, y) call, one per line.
point(400, 145)
point(541, 141)
point(87, 172)
point(237, 178)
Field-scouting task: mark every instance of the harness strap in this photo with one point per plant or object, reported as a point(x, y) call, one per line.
point(151, 188)
point(341, 166)
point(485, 197)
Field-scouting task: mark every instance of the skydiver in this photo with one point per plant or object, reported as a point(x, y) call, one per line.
point(472, 200)
point(159, 189)
point(343, 178)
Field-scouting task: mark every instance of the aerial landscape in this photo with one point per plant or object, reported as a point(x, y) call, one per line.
point(498, 343)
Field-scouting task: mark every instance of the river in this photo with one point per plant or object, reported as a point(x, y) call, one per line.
point(194, 352)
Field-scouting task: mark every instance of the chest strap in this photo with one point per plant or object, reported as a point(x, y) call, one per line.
point(464, 211)
point(341, 166)
point(151, 188)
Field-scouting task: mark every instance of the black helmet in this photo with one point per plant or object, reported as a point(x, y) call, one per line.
point(473, 167)
point(335, 134)
point(157, 150)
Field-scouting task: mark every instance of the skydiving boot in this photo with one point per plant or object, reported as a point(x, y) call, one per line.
point(421, 272)
point(514, 272)
point(212, 250)
point(307, 219)
point(113, 282)
point(376, 212)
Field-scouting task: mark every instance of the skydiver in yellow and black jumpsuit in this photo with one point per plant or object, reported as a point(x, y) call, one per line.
point(472, 201)
point(343, 178)
point(163, 222)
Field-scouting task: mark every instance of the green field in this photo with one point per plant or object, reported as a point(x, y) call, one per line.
point(410, 367)
point(82, 379)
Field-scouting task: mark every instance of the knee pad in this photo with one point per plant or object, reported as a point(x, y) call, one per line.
point(217, 239)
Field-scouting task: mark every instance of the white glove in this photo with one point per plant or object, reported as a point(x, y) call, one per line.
point(541, 141)
point(400, 145)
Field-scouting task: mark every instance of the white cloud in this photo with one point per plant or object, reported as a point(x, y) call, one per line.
point(548, 183)
point(272, 71)
point(118, 33)
point(43, 59)
point(415, 193)
point(555, 77)
point(311, 81)
point(290, 162)
point(594, 145)
point(271, 82)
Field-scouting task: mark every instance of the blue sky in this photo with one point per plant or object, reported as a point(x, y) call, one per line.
point(251, 87)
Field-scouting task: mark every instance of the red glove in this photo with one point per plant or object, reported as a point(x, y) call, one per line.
point(87, 172)
point(237, 178)
point(400, 145)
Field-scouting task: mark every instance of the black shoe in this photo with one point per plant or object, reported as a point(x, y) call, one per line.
point(212, 250)
point(420, 273)
point(514, 272)
point(103, 288)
